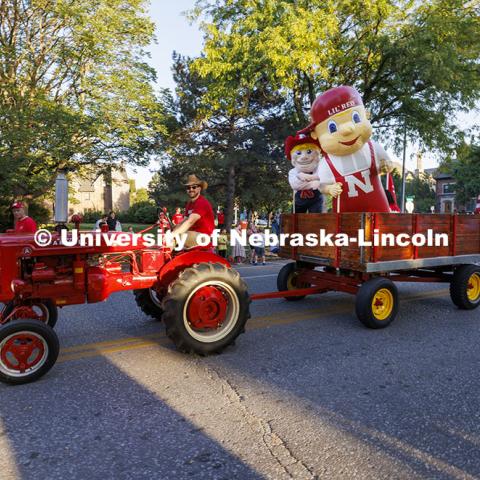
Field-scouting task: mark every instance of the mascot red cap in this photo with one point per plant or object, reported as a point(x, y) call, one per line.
point(298, 139)
point(330, 103)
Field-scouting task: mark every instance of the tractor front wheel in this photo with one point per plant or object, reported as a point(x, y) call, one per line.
point(376, 303)
point(206, 308)
point(28, 350)
point(43, 310)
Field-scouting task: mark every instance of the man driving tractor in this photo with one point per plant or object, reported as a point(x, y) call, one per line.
point(199, 217)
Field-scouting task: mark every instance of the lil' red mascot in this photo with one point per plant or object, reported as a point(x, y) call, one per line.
point(305, 154)
point(339, 122)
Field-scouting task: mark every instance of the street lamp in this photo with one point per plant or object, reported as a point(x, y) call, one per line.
point(402, 206)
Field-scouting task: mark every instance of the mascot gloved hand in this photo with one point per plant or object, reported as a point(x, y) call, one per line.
point(305, 154)
point(339, 123)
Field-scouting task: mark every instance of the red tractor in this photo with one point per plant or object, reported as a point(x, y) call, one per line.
point(202, 301)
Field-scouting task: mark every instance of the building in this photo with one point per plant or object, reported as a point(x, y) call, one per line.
point(445, 193)
point(101, 192)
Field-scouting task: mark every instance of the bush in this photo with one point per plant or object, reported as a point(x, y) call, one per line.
point(91, 216)
point(39, 212)
point(141, 212)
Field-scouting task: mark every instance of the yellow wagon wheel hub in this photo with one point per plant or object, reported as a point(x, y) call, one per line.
point(473, 287)
point(292, 281)
point(382, 304)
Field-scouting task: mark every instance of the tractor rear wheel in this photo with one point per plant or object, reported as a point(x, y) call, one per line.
point(376, 303)
point(465, 287)
point(44, 310)
point(149, 302)
point(287, 279)
point(28, 350)
point(206, 308)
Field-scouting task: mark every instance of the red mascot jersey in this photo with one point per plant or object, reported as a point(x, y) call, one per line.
point(358, 173)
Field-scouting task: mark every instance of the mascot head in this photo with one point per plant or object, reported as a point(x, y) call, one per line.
point(303, 151)
point(339, 121)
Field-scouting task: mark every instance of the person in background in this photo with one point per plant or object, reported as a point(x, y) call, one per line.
point(220, 218)
point(259, 251)
point(23, 223)
point(113, 223)
point(163, 220)
point(178, 217)
point(238, 248)
point(103, 219)
point(222, 241)
point(276, 230)
point(250, 231)
point(130, 229)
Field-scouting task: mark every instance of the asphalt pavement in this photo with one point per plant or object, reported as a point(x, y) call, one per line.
point(307, 392)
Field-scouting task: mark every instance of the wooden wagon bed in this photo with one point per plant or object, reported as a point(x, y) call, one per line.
point(463, 232)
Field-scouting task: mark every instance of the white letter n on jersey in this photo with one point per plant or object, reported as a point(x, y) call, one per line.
point(354, 182)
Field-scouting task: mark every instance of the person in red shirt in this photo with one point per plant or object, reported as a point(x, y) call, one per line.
point(220, 219)
point(178, 217)
point(23, 223)
point(198, 211)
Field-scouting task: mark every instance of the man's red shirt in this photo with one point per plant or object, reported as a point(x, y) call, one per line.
point(201, 206)
point(177, 218)
point(26, 225)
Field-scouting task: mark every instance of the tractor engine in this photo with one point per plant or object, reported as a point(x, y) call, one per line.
point(73, 275)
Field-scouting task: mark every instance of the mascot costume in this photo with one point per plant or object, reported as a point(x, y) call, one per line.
point(305, 154)
point(339, 123)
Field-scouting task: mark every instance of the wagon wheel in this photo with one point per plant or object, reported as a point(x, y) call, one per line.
point(288, 280)
point(150, 302)
point(206, 308)
point(376, 303)
point(465, 287)
point(44, 310)
point(28, 350)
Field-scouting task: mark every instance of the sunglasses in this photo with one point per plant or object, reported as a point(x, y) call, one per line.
point(193, 187)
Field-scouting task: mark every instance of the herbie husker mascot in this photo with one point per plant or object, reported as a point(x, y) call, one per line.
point(340, 124)
point(304, 153)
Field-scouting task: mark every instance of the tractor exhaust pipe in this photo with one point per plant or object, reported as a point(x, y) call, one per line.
point(61, 198)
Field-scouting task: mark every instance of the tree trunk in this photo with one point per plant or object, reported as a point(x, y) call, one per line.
point(230, 196)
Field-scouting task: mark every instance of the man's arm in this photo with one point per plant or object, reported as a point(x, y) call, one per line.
point(187, 224)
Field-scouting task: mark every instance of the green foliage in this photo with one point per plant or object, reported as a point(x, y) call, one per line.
point(91, 216)
point(74, 89)
point(140, 195)
point(39, 212)
point(239, 152)
point(141, 212)
point(466, 172)
point(423, 191)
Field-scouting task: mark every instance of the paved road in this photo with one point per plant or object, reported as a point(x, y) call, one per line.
point(307, 392)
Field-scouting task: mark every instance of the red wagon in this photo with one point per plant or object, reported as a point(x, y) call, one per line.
point(370, 271)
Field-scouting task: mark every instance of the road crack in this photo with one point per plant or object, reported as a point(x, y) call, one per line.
point(273, 442)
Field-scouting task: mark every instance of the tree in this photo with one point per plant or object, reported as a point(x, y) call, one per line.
point(424, 194)
point(236, 148)
point(466, 171)
point(414, 62)
point(74, 89)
